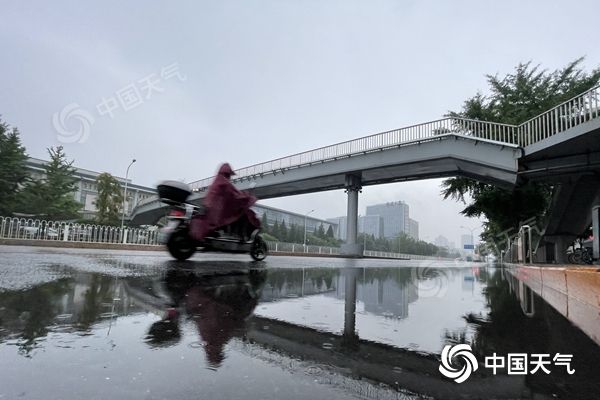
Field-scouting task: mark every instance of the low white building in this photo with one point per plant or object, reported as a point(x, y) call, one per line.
point(291, 218)
point(87, 189)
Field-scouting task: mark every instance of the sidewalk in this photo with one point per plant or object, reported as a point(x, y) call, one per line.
point(574, 291)
point(79, 245)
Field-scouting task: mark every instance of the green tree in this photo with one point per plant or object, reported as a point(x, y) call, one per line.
point(514, 99)
point(300, 233)
point(109, 200)
point(264, 222)
point(442, 252)
point(283, 232)
point(404, 243)
point(52, 196)
point(13, 173)
point(382, 244)
point(275, 231)
point(321, 231)
point(329, 233)
point(296, 234)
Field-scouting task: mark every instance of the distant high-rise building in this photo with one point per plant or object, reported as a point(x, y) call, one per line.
point(441, 241)
point(413, 230)
point(371, 225)
point(379, 295)
point(395, 217)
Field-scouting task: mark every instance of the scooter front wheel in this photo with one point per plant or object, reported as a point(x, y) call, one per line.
point(259, 249)
point(181, 246)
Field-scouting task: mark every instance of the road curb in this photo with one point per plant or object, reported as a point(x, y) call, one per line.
point(79, 245)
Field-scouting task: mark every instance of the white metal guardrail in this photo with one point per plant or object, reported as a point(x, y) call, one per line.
point(283, 247)
point(571, 113)
point(35, 229)
point(22, 228)
point(403, 256)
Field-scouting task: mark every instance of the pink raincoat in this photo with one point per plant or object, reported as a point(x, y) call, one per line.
point(224, 204)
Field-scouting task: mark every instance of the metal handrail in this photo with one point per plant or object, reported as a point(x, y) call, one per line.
point(494, 131)
point(573, 112)
point(595, 88)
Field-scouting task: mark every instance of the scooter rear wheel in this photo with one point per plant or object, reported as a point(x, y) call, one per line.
point(180, 246)
point(259, 249)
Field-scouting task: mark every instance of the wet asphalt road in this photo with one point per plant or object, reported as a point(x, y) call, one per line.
point(22, 266)
point(100, 324)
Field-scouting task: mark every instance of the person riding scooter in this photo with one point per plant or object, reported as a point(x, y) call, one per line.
point(225, 206)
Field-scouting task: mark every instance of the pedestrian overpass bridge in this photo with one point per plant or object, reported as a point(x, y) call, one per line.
point(561, 145)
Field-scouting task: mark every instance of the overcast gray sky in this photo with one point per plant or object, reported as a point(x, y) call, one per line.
point(248, 81)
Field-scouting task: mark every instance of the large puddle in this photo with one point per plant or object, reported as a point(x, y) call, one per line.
point(235, 330)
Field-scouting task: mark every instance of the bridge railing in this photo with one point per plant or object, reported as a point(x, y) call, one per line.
point(26, 228)
point(402, 256)
point(398, 137)
point(298, 248)
point(573, 112)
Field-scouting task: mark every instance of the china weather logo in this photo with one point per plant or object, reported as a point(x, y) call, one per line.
point(459, 354)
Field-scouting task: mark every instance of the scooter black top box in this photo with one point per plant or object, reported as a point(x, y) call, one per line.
point(174, 191)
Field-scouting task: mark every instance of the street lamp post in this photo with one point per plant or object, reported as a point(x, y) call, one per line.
point(306, 215)
point(125, 195)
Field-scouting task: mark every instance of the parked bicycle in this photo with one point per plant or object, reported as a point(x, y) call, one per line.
point(579, 253)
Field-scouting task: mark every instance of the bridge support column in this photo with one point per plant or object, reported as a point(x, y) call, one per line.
point(561, 244)
point(350, 337)
point(351, 247)
point(596, 232)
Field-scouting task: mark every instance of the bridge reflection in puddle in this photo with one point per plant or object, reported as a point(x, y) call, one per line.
point(402, 307)
point(306, 332)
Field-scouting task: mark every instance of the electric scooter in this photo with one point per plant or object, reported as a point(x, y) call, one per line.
point(176, 234)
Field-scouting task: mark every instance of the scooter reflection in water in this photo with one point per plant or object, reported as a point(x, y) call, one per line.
point(218, 304)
